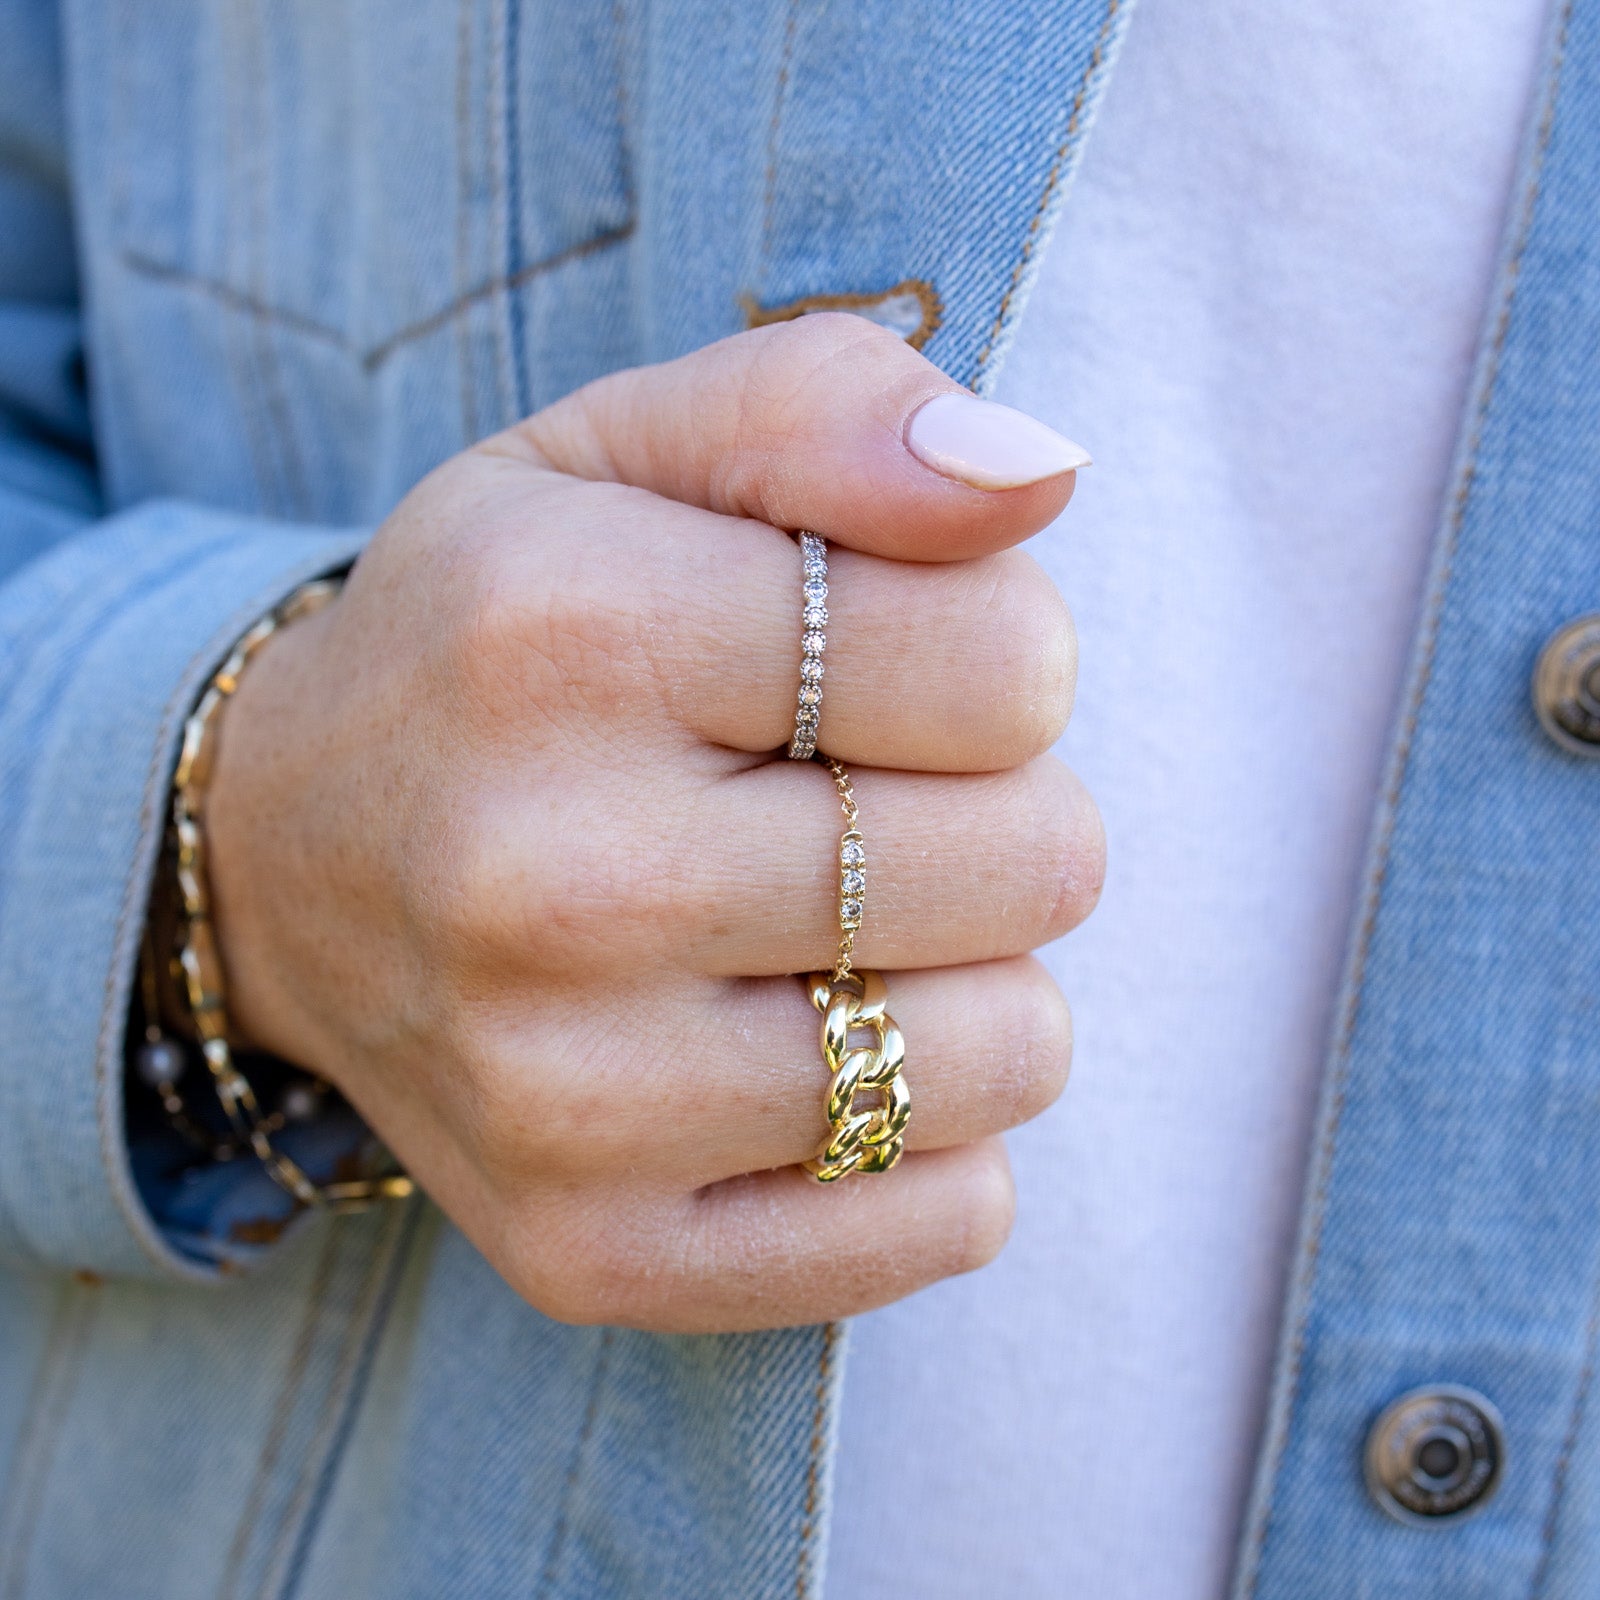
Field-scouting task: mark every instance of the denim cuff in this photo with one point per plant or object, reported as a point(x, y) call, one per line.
point(105, 644)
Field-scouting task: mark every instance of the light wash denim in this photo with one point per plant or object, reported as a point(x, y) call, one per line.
point(305, 249)
point(320, 246)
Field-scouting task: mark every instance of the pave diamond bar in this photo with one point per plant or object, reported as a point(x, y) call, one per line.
point(813, 642)
point(852, 880)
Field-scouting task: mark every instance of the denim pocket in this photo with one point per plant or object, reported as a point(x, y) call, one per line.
point(363, 172)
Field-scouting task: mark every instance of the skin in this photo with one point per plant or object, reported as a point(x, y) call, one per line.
point(501, 847)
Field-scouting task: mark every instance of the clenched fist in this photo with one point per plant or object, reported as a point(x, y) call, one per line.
point(504, 843)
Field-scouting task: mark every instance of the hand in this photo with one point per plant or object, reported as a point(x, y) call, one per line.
point(500, 846)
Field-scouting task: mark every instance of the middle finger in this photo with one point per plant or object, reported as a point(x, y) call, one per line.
point(960, 868)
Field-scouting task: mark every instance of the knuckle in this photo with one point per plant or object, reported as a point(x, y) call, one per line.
point(991, 1208)
point(547, 1107)
point(481, 885)
point(794, 378)
point(1035, 665)
point(1066, 848)
point(524, 636)
point(805, 345)
point(585, 1272)
point(493, 615)
point(504, 905)
point(1037, 1048)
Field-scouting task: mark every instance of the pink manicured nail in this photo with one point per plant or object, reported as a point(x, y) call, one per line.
point(989, 446)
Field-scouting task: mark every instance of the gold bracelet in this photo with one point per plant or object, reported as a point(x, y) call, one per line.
point(198, 962)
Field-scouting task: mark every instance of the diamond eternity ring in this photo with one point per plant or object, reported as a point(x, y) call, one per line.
point(813, 641)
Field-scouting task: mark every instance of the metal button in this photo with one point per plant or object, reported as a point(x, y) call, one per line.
point(1566, 686)
point(1435, 1452)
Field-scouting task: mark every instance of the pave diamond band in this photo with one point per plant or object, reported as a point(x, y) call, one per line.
point(813, 642)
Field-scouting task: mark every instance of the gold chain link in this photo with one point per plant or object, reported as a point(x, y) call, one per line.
point(861, 1138)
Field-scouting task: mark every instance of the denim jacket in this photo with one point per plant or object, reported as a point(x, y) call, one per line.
point(263, 263)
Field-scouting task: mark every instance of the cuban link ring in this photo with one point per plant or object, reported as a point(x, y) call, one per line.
point(813, 641)
point(868, 1103)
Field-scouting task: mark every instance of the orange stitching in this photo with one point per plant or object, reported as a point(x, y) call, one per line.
point(802, 1576)
point(234, 299)
point(1329, 1139)
point(373, 358)
point(760, 316)
point(1057, 167)
point(379, 353)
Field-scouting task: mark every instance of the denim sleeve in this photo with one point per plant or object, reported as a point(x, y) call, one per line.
point(109, 627)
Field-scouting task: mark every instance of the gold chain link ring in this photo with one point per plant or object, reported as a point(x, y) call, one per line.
point(863, 1050)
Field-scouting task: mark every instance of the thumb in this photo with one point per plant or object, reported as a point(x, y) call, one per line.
point(827, 422)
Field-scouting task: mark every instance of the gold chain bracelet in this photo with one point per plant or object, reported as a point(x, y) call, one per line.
point(198, 963)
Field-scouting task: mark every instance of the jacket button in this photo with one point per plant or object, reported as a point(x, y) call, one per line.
point(1566, 686)
point(1434, 1452)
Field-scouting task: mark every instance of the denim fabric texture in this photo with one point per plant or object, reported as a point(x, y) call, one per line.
point(1452, 1231)
point(261, 268)
point(305, 252)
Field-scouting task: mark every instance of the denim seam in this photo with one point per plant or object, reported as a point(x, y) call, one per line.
point(280, 416)
point(1327, 1144)
point(515, 310)
point(466, 15)
point(1569, 1441)
point(374, 356)
point(130, 917)
point(580, 1450)
point(404, 1237)
point(78, 1313)
point(118, 202)
point(277, 1568)
point(299, 1363)
point(112, 1018)
point(619, 28)
point(1057, 168)
point(234, 343)
point(805, 1563)
point(780, 101)
point(145, 266)
point(499, 202)
point(606, 239)
point(31, 1435)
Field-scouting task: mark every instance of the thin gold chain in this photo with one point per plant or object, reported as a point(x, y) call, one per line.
point(852, 865)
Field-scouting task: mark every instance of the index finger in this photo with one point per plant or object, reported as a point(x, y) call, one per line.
point(823, 423)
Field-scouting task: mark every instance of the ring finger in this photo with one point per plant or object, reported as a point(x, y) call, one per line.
point(726, 1078)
